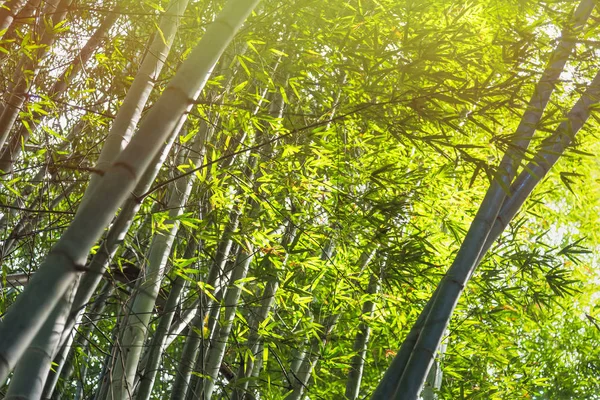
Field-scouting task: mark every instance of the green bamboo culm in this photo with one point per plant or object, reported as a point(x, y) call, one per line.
point(64, 262)
point(407, 373)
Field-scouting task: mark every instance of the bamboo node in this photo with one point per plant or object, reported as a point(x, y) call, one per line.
point(126, 167)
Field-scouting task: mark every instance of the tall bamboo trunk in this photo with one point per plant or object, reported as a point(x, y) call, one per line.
point(302, 376)
point(191, 316)
point(159, 339)
point(357, 364)
point(30, 374)
point(137, 96)
point(114, 238)
point(213, 354)
point(192, 346)
point(433, 383)
point(64, 262)
point(65, 360)
point(217, 349)
point(66, 327)
point(133, 332)
point(248, 367)
point(406, 379)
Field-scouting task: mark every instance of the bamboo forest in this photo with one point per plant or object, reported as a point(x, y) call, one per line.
point(300, 199)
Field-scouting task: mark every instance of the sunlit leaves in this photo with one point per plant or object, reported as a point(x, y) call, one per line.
point(396, 114)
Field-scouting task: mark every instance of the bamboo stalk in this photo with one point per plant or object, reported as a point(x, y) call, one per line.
point(137, 96)
point(357, 364)
point(65, 260)
point(428, 337)
point(133, 332)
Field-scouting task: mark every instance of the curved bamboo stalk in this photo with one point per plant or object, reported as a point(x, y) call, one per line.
point(184, 321)
point(551, 150)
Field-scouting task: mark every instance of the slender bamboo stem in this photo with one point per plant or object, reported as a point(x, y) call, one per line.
point(137, 96)
point(133, 333)
point(453, 283)
point(66, 259)
point(361, 340)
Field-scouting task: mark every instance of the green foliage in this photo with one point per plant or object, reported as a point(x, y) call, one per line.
point(396, 114)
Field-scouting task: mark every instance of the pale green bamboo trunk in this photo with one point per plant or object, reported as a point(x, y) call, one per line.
point(159, 339)
point(64, 262)
point(133, 333)
point(114, 238)
point(406, 379)
point(361, 340)
point(217, 349)
point(249, 367)
point(138, 93)
point(66, 327)
point(302, 376)
point(433, 383)
point(30, 374)
point(65, 361)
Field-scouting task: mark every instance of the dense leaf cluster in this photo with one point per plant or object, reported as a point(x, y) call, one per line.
point(346, 146)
